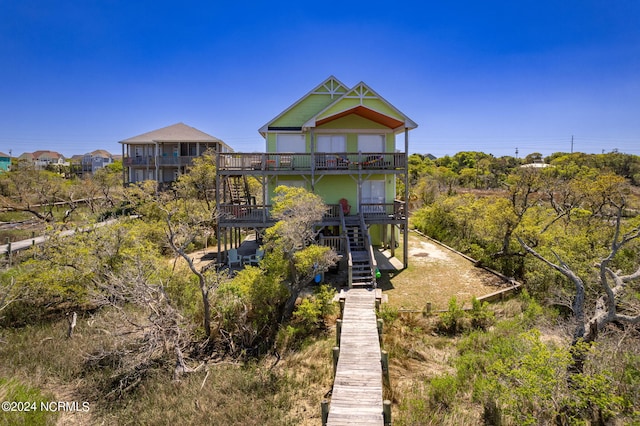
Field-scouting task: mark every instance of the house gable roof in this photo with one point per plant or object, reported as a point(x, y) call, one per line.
point(304, 108)
point(100, 153)
point(52, 155)
point(332, 100)
point(3, 155)
point(179, 132)
point(363, 101)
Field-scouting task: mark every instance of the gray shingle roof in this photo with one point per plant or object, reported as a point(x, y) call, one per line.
point(179, 132)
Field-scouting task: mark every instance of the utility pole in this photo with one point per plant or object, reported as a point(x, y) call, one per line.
point(572, 144)
point(516, 152)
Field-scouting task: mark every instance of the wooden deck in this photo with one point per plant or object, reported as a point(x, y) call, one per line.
point(357, 389)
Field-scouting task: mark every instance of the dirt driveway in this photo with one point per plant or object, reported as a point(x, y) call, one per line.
point(435, 274)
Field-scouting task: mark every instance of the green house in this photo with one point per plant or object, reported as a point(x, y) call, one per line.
point(5, 162)
point(340, 143)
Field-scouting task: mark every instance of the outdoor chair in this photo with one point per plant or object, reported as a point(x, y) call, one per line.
point(286, 162)
point(346, 208)
point(233, 258)
point(254, 259)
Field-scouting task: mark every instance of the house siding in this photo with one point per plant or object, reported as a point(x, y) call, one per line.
point(303, 111)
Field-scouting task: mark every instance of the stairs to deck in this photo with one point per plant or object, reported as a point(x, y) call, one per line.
point(362, 274)
point(237, 190)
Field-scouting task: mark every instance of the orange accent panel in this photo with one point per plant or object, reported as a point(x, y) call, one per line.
point(367, 113)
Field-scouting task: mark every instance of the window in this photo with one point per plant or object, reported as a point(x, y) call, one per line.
point(371, 143)
point(290, 143)
point(331, 143)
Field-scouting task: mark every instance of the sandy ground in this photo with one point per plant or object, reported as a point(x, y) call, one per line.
point(435, 274)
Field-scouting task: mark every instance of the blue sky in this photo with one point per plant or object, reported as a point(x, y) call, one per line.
point(489, 76)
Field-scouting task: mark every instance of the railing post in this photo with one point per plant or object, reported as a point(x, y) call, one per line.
point(384, 359)
point(380, 324)
point(338, 331)
point(386, 412)
point(324, 407)
point(427, 309)
point(336, 355)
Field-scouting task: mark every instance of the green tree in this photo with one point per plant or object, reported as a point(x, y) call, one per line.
point(298, 211)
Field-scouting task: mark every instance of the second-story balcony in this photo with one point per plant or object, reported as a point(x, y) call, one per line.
point(151, 160)
point(146, 160)
point(346, 162)
point(259, 215)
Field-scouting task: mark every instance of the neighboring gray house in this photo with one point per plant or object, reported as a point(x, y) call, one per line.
point(95, 160)
point(164, 154)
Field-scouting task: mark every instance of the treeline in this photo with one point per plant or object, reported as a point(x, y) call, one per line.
point(570, 232)
point(137, 291)
point(478, 170)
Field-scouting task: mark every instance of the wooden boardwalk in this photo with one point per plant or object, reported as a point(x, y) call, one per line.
point(357, 389)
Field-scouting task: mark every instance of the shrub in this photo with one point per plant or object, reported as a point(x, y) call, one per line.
point(443, 391)
point(388, 313)
point(309, 316)
point(481, 316)
point(451, 321)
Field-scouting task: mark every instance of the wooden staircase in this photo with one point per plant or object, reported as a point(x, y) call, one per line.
point(358, 240)
point(237, 190)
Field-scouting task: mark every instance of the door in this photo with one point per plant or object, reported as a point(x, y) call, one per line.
point(373, 192)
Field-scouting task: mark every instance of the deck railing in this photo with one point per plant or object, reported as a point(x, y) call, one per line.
point(395, 210)
point(140, 161)
point(347, 246)
point(308, 161)
point(369, 247)
point(151, 160)
point(334, 242)
point(243, 213)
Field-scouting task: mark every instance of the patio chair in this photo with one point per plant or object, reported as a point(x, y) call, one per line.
point(233, 258)
point(346, 208)
point(256, 258)
point(286, 161)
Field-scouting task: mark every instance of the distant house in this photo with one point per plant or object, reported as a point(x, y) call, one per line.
point(164, 154)
point(5, 162)
point(41, 159)
point(537, 164)
point(95, 160)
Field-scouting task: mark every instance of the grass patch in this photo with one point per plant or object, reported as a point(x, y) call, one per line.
point(25, 405)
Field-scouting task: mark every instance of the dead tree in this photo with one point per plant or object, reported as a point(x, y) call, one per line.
point(141, 337)
point(612, 285)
